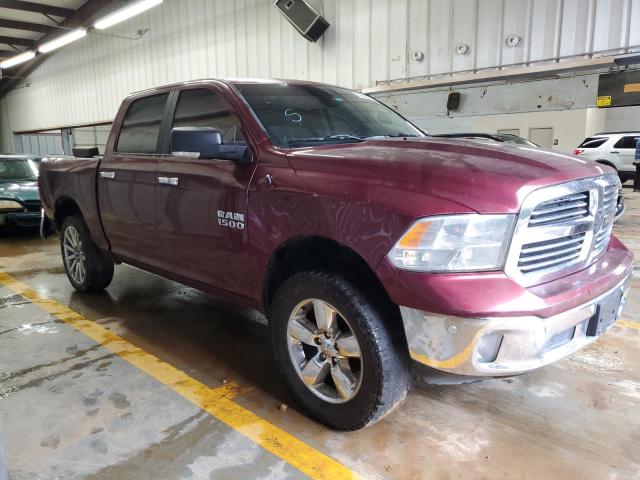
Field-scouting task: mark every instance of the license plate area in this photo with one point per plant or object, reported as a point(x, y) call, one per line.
point(607, 313)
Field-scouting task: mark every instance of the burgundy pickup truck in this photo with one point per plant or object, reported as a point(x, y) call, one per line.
point(366, 243)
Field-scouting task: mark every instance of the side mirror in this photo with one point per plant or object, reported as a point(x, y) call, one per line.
point(202, 141)
point(206, 142)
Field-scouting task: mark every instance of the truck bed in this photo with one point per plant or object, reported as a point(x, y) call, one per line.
point(71, 181)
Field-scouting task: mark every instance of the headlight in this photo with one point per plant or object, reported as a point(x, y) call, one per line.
point(454, 243)
point(9, 205)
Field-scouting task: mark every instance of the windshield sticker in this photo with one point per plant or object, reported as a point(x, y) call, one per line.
point(295, 117)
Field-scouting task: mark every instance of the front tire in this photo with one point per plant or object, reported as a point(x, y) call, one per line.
point(337, 351)
point(88, 268)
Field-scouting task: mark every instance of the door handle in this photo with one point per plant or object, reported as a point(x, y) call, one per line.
point(109, 175)
point(173, 181)
point(615, 151)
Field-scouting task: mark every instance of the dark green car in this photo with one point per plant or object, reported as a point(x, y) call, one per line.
point(19, 197)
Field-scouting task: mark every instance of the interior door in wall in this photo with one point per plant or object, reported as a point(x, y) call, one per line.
point(542, 136)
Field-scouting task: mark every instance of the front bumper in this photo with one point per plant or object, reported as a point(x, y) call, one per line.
point(505, 345)
point(20, 219)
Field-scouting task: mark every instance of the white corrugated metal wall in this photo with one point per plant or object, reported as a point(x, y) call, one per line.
point(41, 144)
point(87, 137)
point(368, 41)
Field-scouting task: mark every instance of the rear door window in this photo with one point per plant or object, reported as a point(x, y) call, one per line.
point(627, 142)
point(593, 142)
point(141, 125)
point(205, 108)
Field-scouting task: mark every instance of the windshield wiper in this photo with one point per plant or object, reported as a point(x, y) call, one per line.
point(398, 135)
point(343, 137)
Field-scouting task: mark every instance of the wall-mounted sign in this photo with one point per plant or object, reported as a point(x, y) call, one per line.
point(619, 89)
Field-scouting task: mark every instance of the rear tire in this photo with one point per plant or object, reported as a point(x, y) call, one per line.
point(89, 269)
point(378, 367)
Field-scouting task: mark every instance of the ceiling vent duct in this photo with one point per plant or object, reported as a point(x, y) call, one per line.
point(303, 17)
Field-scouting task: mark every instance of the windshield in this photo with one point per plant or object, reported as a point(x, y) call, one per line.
point(303, 115)
point(17, 169)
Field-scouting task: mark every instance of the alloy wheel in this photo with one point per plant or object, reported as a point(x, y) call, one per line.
point(74, 254)
point(325, 351)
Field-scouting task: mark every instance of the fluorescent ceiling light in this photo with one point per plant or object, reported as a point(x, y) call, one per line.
point(125, 13)
point(63, 40)
point(18, 59)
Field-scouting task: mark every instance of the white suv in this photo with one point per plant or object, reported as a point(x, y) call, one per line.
point(616, 149)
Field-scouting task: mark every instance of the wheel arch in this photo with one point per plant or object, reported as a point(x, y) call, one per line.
point(608, 163)
point(315, 252)
point(64, 206)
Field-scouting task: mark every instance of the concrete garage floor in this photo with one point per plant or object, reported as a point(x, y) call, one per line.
point(72, 408)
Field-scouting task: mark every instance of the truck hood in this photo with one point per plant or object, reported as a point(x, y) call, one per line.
point(21, 190)
point(482, 177)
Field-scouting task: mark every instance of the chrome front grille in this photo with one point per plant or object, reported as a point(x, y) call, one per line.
point(562, 229)
point(611, 193)
point(601, 241)
point(32, 205)
point(549, 253)
point(560, 210)
point(609, 212)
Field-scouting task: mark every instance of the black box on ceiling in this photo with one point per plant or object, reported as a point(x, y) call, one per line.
point(619, 89)
point(303, 17)
point(453, 101)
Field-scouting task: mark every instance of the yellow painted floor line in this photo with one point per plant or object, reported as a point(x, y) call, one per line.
point(628, 324)
point(216, 401)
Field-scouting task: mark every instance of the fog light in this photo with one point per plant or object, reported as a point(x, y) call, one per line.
point(560, 339)
point(488, 347)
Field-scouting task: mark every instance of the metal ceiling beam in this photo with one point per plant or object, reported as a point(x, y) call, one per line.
point(490, 75)
point(24, 42)
point(37, 8)
point(28, 26)
point(9, 53)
